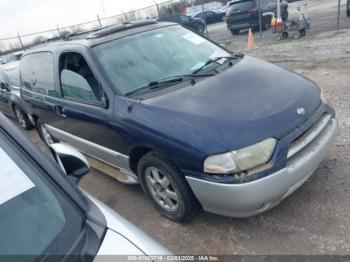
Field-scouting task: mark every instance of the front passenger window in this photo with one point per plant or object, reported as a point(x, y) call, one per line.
point(77, 80)
point(76, 87)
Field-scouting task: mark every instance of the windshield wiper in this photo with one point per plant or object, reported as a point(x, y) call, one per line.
point(216, 59)
point(167, 81)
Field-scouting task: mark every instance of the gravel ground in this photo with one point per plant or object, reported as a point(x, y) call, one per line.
point(316, 218)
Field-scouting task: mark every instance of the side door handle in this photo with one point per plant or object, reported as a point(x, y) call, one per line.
point(59, 110)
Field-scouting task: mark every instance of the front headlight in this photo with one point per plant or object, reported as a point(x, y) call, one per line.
point(242, 159)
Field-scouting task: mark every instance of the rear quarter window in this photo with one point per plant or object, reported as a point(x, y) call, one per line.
point(242, 6)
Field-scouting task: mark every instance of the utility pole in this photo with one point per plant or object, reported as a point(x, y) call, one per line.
point(59, 32)
point(260, 19)
point(278, 10)
point(205, 20)
point(338, 19)
point(99, 20)
point(156, 7)
point(20, 40)
point(103, 8)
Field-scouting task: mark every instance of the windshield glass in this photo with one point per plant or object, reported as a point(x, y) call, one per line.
point(35, 216)
point(135, 61)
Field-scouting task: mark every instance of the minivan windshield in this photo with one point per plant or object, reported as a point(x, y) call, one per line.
point(136, 60)
point(36, 218)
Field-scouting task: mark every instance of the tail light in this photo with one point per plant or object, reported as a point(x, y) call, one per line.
point(254, 10)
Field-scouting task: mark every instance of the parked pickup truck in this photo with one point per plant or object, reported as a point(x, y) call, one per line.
point(194, 124)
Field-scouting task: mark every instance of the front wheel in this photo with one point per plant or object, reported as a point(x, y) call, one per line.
point(22, 118)
point(167, 188)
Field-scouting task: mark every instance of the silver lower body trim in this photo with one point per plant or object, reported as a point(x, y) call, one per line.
point(100, 153)
point(252, 198)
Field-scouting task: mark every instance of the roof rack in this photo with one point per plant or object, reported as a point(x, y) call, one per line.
point(117, 28)
point(71, 35)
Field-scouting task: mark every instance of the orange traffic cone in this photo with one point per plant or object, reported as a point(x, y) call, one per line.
point(251, 42)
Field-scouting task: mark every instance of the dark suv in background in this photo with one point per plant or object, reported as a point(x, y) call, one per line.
point(193, 23)
point(244, 14)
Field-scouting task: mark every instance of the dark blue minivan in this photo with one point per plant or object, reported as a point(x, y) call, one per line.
point(196, 125)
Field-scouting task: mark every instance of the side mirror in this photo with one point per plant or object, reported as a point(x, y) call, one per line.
point(72, 162)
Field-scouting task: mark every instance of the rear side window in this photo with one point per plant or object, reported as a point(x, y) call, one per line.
point(43, 74)
point(242, 6)
point(37, 72)
point(26, 72)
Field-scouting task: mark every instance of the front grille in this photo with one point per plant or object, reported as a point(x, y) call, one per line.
point(310, 135)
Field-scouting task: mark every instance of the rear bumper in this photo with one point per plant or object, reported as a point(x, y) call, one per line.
point(252, 198)
point(242, 24)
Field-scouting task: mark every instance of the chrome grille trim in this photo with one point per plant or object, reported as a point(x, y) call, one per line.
point(309, 135)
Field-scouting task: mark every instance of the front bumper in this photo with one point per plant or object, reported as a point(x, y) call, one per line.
point(252, 198)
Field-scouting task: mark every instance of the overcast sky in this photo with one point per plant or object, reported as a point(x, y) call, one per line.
point(27, 16)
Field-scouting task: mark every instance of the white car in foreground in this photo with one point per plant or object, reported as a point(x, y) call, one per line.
point(44, 214)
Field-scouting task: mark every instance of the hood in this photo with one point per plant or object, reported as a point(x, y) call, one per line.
point(243, 105)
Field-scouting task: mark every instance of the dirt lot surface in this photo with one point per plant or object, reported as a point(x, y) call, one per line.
point(316, 218)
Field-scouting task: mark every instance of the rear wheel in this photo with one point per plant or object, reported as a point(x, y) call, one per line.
point(200, 28)
point(22, 118)
point(167, 188)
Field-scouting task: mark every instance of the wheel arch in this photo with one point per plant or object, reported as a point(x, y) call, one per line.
point(135, 155)
point(137, 152)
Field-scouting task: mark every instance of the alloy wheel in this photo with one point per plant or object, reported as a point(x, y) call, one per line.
point(20, 118)
point(161, 188)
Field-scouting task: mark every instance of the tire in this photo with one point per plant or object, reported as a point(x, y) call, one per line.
point(200, 28)
point(22, 118)
point(235, 32)
point(348, 12)
point(166, 186)
point(44, 134)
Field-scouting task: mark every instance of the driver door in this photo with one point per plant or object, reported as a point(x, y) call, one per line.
point(84, 113)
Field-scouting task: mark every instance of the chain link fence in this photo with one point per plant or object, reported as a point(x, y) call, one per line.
point(24, 41)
